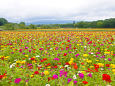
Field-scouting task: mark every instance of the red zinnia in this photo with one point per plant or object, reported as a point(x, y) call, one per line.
point(106, 77)
point(65, 54)
point(1, 76)
point(96, 66)
point(75, 66)
point(85, 82)
point(36, 72)
point(107, 65)
point(32, 59)
point(44, 59)
point(48, 64)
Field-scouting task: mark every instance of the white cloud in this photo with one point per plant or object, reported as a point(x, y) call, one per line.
point(23, 10)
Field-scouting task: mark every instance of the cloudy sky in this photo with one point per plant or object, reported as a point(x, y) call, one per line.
point(39, 10)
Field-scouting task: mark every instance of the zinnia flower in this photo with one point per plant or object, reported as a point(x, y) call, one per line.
point(36, 72)
point(69, 80)
point(74, 82)
point(46, 72)
point(77, 55)
point(56, 59)
point(81, 75)
point(62, 72)
point(55, 76)
point(106, 77)
point(109, 59)
point(17, 80)
point(85, 82)
point(90, 75)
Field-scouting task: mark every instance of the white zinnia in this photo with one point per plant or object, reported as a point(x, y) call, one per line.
point(74, 77)
point(47, 84)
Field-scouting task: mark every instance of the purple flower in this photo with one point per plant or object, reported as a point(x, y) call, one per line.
point(97, 56)
point(90, 75)
point(56, 59)
point(24, 53)
point(29, 50)
point(89, 53)
point(17, 80)
point(109, 59)
point(29, 64)
point(20, 50)
point(62, 72)
point(102, 44)
point(74, 82)
point(40, 48)
point(81, 75)
point(77, 55)
point(58, 54)
point(55, 76)
point(98, 53)
point(26, 47)
point(56, 48)
point(27, 80)
point(102, 57)
point(69, 80)
point(21, 66)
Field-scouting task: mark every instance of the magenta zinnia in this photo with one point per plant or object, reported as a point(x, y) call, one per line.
point(17, 80)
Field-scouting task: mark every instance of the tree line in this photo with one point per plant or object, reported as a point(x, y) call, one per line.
point(4, 24)
point(107, 23)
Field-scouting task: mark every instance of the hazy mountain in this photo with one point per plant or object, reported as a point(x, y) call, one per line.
point(50, 22)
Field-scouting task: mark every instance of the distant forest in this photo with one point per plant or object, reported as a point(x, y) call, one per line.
point(107, 23)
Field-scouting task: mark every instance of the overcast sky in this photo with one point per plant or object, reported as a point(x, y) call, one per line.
point(34, 10)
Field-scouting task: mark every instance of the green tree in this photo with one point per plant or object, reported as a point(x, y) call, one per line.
point(3, 21)
point(31, 26)
point(22, 25)
point(100, 24)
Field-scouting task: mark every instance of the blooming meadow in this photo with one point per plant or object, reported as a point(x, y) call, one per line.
point(57, 58)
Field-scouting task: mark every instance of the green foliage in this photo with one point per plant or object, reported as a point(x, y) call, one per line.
point(31, 26)
point(3, 21)
point(22, 25)
point(9, 26)
point(107, 23)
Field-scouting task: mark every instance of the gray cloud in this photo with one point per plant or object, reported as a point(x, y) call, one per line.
point(36, 10)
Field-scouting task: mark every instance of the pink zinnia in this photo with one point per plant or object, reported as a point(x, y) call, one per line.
point(55, 76)
point(81, 75)
point(77, 55)
point(20, 50)
point(75, 82)
point(109, 59)
point(56, 59)
point(69, 80)
point(62, 72)
point(29, 50)
point(90, 75)
point(17, 80)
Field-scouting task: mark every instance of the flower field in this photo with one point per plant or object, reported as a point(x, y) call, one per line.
point(57, 58)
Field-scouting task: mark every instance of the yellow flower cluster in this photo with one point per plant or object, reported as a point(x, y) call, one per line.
point(88, 61)
point(85, 55)
point(101, 64)
point(106, 52)
point(71, 61)
point(46, 72)
point(112, 65)
point(21, 62)
point(113, 70)
point(26, 55)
